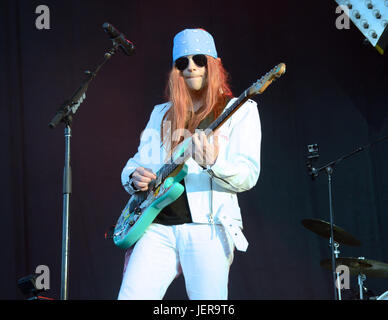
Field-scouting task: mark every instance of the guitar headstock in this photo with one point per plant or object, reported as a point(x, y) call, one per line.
point(262, 84)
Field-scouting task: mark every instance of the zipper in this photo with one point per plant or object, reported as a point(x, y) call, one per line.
point(211, 217)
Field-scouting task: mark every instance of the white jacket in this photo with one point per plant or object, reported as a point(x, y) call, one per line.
point(212, 192)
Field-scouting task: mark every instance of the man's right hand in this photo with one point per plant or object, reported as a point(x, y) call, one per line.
point(141, 177)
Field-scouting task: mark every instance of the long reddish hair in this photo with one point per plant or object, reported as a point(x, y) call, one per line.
point(181, 114)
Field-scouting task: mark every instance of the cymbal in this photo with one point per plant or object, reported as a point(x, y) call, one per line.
point(322, 228)
point(370, 268)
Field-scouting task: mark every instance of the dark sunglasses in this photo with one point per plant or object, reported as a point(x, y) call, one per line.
point(199, 59)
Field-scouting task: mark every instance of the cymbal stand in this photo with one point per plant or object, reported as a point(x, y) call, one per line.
point(312, 157)
point(361, 278)
point(337, 275)
point(336, 251)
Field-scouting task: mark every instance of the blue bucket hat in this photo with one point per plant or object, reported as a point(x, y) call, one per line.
point(193, 41)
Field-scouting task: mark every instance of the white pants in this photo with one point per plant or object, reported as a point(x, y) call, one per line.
point(202, 252)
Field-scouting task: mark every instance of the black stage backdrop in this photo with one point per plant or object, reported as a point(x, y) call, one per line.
point(334, 93)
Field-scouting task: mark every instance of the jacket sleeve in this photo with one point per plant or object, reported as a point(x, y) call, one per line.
point(237, 166)
point(149, 143)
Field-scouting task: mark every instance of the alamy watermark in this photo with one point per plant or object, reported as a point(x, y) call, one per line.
point(151, 152)
point(343, 277)
point(343, 20)
point(42, 281)
point(42, 22)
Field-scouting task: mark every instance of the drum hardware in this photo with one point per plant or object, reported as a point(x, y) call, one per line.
point(361, 278)
point(371, 268)
point(336, 254)
point(312, 158)
point(356, 267)
point(324, 229)
point(313, 171)
point(362, 268)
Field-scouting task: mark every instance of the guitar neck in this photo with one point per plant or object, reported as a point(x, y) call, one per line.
point(228, 112)
point(171, 166)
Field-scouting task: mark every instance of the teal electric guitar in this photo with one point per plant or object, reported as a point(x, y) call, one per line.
point(143, 207)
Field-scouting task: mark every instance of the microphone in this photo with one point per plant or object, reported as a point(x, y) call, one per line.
point(119, 38)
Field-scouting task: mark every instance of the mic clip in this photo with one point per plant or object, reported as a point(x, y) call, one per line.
point(312, 158)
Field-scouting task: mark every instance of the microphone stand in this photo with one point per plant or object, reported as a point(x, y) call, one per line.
point(329, 169)
point(65, 114)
